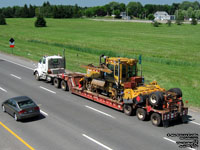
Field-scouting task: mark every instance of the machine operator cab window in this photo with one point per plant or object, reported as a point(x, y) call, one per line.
point(128, 71)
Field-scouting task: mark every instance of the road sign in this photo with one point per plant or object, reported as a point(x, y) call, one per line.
point(12, 43)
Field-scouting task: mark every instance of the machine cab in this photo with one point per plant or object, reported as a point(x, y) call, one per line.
point(122, 69)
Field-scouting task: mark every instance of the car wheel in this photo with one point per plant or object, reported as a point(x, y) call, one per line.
point(3, 108)
point(16, 118)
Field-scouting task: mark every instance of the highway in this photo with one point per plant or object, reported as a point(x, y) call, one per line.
point(70, 122)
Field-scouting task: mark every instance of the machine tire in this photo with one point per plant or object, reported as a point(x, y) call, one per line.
point(37, 77)
point(156, 98)
point(177, 91)
point(64, 85)
point(156, 119)
point(3, 108)
point(128, 109)
point(56, 82)
point(16, 118)
point(141, 114)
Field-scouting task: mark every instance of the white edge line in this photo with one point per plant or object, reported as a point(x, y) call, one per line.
point(18, 64)
point(43, 112)
point(195, 123)
point(99, 111)
point(47, 89)
point(16, 76)
point(95, 141)
point(169, 140)
point(3, 89)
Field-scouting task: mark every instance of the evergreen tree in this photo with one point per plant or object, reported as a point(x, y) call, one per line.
point(2, 20)
point(194, 20)
point(40, 22)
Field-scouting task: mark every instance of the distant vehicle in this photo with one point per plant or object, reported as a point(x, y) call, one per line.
point(21, 107)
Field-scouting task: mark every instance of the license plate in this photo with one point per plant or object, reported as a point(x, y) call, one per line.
point(30, 111)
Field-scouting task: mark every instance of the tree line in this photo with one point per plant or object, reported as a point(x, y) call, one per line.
point(182, 10)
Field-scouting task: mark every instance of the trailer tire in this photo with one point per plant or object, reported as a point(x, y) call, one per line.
point(56, 82)
point(177, 91)
point(128, 109)
point(156, 98)
point(37, 77)
point(64, 85)
point(141, 114)
point(156, 119)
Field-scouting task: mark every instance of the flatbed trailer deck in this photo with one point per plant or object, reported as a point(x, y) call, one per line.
point(70, 81)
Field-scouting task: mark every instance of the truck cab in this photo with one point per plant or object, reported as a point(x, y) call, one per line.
point(49, 65)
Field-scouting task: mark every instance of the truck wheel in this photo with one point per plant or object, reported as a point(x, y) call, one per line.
point(177, 91)
point(37, 77)
point(128, 109)
point(56, 82)
point(64, 85)
point(156, 98)
point(141, 114)
point(156, 119)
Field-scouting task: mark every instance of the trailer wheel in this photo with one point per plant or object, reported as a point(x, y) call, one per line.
point(128, 109)
point(184, 119)
point(177, 91)
point(141, 114)
point(156, 98)
point(37, 77)
point(56, 82)
point(64, 85)
point(156, 119)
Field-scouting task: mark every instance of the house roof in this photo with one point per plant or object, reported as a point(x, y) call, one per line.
point(161, 13)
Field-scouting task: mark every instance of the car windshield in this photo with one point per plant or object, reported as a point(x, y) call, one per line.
point(26, 103)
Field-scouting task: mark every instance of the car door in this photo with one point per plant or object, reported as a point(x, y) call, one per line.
point(8, 105)
point(13, 108)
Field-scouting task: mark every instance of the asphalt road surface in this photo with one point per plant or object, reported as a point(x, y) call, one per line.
point(70, 122)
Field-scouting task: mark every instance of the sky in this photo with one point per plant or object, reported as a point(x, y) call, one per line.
point(6, 3)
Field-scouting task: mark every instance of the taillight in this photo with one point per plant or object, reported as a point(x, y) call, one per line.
point(22, 111)
point(37, 108)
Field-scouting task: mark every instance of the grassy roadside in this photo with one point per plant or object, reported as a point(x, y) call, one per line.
point(170, 54)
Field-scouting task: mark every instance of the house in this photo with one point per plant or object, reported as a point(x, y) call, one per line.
point(124, 16)
point(161, 15)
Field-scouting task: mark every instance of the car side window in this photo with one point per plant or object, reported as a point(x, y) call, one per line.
point(9, 102)
point(13, 103)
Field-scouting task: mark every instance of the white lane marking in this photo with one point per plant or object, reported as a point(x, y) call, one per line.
point(47, 90)
point(95, 141)
point(44, 113)
point(99, 111)
point(18, 64)
point(175, 142)
point(3, 89)
point(16, 76)
point(195, 123)
point(169, 140)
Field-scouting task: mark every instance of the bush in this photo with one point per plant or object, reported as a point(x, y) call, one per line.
point(2, 20)
point(151, 17)
point(156, 24)
point(194, 20)
point(179, 22)
point(169, 23)
point(40, 22)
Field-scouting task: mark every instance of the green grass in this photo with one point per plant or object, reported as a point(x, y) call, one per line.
point(171, 55)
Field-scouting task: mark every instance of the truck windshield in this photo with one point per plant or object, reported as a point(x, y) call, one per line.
point(132, 71)
point(56, 63)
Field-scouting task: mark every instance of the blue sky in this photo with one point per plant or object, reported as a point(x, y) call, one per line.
point(5, 3)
